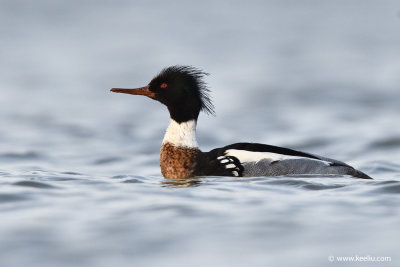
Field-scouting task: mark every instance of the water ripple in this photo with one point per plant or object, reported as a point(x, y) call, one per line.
point(34, 184)
point(21, 155)
point(132, 181)
point(380, 167)
point(107, 160)
point(389, 187)
point(386, 143)
point(11, 197)
point(300, 183)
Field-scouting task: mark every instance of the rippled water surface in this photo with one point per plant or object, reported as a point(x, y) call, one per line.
point(79, 171)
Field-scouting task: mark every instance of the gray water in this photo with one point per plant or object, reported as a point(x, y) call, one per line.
point(79, 170)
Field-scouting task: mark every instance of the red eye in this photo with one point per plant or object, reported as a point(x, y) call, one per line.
point(164, 85)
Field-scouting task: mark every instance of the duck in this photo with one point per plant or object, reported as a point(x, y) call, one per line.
point(183, 91)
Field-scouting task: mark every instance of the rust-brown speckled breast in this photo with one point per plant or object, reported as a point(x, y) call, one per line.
point(177, 162)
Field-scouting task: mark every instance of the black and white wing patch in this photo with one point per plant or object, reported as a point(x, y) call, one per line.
point(232, 165)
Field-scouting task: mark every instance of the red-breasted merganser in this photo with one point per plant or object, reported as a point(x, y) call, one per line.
point(183, 91)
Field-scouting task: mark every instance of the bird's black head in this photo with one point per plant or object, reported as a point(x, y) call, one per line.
point(181, 89)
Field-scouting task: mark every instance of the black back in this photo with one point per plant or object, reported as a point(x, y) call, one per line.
point(254, 147)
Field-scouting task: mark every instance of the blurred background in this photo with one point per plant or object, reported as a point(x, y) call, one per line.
point(319, 76)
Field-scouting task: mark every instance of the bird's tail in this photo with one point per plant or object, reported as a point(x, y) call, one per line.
point(360, 174)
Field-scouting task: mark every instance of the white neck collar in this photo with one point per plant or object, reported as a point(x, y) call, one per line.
point(181, 134)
